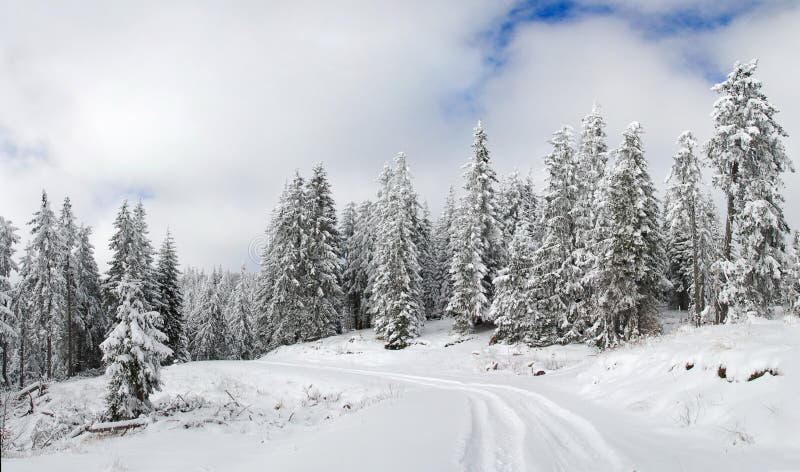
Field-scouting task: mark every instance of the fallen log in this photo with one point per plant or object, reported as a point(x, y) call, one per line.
point(32, 388)
point(108, 427)
point(111, 426)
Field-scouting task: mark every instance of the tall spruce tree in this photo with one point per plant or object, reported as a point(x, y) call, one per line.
point(92, 323)
point(427, 262)
point(514, 306)
point(556, 279)
point(170, 298)
point(477, 249)
point(399, 313)
point(323, 296)
point(239, 315)
point(748, 157)
point(8, 239)
point(121, 246)
point(682, 221)
point(442, 252)
point(352, 298)
point(141, 266)
point(286, 310)
point(630, 261)
point(43, 282)
point(69, 238)
point(133, 352)
point(210, 333)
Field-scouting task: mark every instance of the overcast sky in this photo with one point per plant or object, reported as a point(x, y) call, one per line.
point(204, 109)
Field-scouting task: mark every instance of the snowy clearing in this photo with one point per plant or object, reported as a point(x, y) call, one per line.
point(683, 401)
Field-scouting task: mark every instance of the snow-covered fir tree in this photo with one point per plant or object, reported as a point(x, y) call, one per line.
point(121, 246)
point(442, 283)
point(556, 280)
point(141, 266)
point(167, 274)
point(323, 295)
point(352, 299)
point(399, 314)
point(92, 323)
point(209, 334)
point(477, 247)
point(591, 172)
point(133, 352)
point(8, 239)
point(427, 261)
point(239, 316)
point(517, 201)
point(375, 223)
point(286, 310)
point(682, 221)
point(514, 306)
point(709, 253)
point(629, 270)
point(358, 261)
point(592, 157)
point(43, 284)
point(748, 156)
point(69, 238)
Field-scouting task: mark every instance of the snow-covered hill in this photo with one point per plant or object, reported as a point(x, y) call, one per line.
point(711, 398)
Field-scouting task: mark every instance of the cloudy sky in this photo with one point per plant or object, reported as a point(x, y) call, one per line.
point(203, 109)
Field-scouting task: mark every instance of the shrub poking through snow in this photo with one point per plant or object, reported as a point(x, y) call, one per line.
point(133, 350)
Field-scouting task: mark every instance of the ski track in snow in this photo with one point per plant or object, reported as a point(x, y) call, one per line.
point(510, 427)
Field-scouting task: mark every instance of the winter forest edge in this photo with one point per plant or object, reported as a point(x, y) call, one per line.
point(588, 259)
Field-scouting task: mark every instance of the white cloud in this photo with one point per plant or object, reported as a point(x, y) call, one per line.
point(211, 107)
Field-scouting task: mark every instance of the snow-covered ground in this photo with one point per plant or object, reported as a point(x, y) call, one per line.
point(683, 401)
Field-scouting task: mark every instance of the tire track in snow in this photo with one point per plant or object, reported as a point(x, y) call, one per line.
point(512, 428)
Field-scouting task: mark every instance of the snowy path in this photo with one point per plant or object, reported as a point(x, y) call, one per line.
point(440, 405)
point(509, 428)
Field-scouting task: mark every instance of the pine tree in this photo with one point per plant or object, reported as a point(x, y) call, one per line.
point(170, 297)
point(209, 341)
point(682, 218)
point(514, 306)
point(709, 252)
point(323, 296)
point(286, 310)
point(443, 257)
point(133, 351)
point(8, 239)
point(376, 221)
point(517, 202)
point(43, 282)
point(352, 298)
point(358, 262)
point(556, 279)
point(427, 262)
point(592, 157)
point(69, 237)
point(477, 249)
point(141, 266)
point(748, 156)
point(630, 263)
point(399, 314)
point(91, 322)
point(121, 246)
point(239, 317)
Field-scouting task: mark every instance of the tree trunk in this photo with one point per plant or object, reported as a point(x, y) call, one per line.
point(49, 356)
point(70, 371)
point(22, 354)
point(695, 268)
point(726, 248)
point(5, 363)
